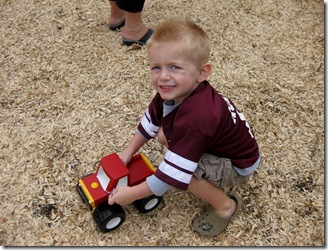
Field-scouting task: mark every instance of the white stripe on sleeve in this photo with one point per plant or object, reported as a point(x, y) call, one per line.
point(180, 161)
point(174, 172)
point(148, 126)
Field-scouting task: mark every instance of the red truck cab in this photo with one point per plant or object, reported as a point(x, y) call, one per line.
point(111, 173)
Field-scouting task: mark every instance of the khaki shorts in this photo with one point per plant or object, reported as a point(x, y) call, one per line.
point(218, 171)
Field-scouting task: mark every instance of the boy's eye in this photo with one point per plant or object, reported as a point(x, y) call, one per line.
point(174, 67)
point(155, 68)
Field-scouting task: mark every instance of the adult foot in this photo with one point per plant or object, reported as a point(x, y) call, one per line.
point(142, 41)
point(134, 33)
point(118, 25)
point(116, 18)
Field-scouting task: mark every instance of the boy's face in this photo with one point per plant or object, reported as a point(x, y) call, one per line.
point(173, 75)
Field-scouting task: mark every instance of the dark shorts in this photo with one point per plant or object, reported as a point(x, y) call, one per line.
point(218, 171)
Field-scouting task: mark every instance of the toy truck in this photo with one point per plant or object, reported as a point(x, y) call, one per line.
point(111, 173)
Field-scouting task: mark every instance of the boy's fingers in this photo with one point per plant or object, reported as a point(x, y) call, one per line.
point(111, 199)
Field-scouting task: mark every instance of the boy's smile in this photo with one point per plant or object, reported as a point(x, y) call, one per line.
point(166, 88)
point(173, 75)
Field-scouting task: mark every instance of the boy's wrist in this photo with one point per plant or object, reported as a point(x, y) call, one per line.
point(125, 157)
point(141, 191)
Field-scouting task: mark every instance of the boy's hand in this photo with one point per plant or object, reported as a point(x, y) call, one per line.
point(135, 144)
point(121, 195)
point(125, 195)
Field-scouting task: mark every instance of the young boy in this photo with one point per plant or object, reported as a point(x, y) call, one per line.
point(210, 146)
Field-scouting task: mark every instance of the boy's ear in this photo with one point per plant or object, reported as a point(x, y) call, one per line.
point(204, 72)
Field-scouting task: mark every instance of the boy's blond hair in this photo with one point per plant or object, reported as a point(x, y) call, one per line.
point(188, 36)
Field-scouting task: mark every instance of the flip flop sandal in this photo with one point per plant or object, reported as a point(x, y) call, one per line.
point(211, 224)
point(117, 26)
point(141, 41)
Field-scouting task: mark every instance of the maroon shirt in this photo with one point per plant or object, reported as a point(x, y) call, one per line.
point(205, 122)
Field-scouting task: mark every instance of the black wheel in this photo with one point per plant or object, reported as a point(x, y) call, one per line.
point(148, 204)
point(108, 217)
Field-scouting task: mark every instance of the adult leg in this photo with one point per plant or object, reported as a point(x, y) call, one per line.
point(134, 29)
point(116, 17)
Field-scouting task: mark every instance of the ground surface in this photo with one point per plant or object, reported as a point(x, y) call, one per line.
point(70, 93)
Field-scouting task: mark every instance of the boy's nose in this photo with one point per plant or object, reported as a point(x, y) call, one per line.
point(164, 76)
